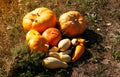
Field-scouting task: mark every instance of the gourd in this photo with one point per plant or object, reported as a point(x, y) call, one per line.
point(79, 50)
point(64, 44)
point(53, 63)
point(81, 40)
point(68, 52)
point(52, 35)
point(72, 23)
point(39, 19)
point(38, 43)
point(61, 56)
point(54, 49)
point(76, 41)
point(65, 57)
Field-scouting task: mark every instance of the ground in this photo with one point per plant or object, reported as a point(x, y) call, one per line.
point(102, 53)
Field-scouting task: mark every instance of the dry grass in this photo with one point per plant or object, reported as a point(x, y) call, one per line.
point(101, 58)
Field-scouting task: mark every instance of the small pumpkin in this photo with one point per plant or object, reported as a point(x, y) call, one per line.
point(32, 33)
point(72, 23)
point(39, 19)
point(38, 43)
point(52, 35)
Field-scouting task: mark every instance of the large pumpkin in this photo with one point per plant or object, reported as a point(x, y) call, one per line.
point(38, 43)
point(39, 19)
point(52, 35)
point(72, 23)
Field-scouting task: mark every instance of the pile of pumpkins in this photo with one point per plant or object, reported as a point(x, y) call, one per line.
point(43, 35)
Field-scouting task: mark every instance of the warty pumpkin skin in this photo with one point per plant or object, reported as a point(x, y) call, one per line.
point(38, 43)
point(32, 33)
point(39, 19)
point(72, 23)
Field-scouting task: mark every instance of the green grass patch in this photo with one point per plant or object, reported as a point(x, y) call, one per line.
point(29, 64)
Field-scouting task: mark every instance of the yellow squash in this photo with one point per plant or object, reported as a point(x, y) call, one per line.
point(61, 56)
point(53, 63)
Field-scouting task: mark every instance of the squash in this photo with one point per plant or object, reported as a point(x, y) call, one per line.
point(79, 50)
point(39, 19)
point(38, 43)
point(54, 49)
point(76, 41)
point(32, 33)
point(72, 23)
point(65, 57)
point(64, 44)
point(61, 56)
point(52, 35)
point(53, 63)
point(68, 52)
point(81, 40)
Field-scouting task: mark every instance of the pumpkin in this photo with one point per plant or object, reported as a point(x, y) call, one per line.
point(52, 35)
point(32, 33)
point(72, 23)
point(39, 19)
point(38, 43)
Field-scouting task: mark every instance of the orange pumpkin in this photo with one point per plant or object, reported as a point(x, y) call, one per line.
point(38, 43)
point(52, 35)
point(32, 33)
point(39, 19)
point(72, 23)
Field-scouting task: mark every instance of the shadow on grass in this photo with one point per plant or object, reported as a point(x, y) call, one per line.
point(30, 65)
point(26, 64)
point(92, 39)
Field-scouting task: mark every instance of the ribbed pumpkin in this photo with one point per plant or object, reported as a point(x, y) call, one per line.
point(32, 33)
point(72, 23)
point(39, 19)
point(38, 43)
